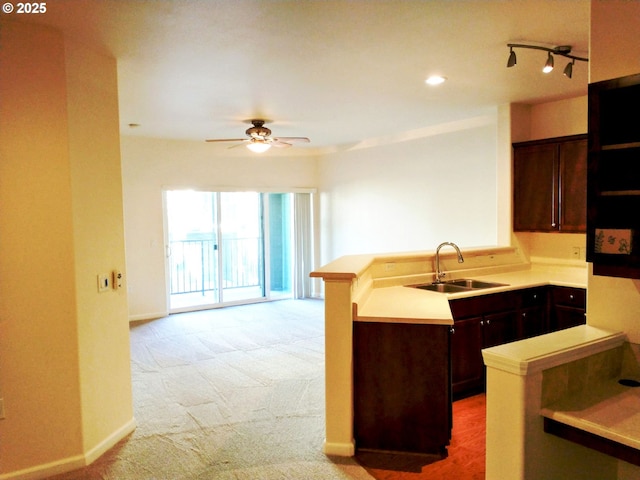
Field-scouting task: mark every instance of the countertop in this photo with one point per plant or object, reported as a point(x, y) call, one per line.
point(609, 410)
point(411, 305)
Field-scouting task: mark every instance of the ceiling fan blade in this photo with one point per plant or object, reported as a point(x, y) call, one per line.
point(280, 144)
point(292, 139)
point(226, 140)
point(244, 142)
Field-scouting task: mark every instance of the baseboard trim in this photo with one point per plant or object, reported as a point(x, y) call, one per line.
point(75, 462)
point(339, 449)
point(105, 445)
point(147, 316)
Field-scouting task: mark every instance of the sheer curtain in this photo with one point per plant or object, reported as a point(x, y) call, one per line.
point(303, 242)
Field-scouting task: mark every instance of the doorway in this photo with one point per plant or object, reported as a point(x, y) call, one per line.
point(230, 248)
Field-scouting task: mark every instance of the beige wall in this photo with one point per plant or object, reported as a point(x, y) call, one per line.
point(98, 226)
point(64, 372)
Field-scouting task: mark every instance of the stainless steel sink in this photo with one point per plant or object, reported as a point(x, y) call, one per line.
point(460, 285)
point(470, 283)
point(442, 287)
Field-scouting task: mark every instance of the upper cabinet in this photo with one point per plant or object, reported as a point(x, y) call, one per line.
point(550, 185)
point(613, 224)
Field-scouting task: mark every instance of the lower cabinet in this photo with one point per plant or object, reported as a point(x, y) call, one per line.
point(402, 396)
point(568, 307)
point(488, 320)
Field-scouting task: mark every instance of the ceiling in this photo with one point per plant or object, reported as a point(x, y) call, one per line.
point(338, 72)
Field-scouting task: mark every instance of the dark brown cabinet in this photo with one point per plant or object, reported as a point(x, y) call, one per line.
point(613, 225)
point(550, 185)
point(479, 322)
point(489, 320)
point(402, 396)
point(568, 307)
point(532, 314)
point(467, 367)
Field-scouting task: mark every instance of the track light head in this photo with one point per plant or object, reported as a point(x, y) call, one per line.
point(512, 59)
point(548, 67)
point(568, 70)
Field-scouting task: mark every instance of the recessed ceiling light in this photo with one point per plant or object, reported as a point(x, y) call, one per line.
point(435, 80)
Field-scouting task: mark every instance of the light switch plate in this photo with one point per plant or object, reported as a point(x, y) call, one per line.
point(104, 284)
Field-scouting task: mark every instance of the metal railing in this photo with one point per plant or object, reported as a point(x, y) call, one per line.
point(194, 264)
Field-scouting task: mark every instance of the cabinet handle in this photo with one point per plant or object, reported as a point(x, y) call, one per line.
point(524, 314)
point(488, 322)
point(452, 330)
point(570, 297)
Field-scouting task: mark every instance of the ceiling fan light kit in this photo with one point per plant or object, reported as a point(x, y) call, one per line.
point(561, 50)
point(258, 146)
point(260, 140)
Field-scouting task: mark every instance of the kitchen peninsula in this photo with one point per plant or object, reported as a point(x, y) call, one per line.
point(364, 290)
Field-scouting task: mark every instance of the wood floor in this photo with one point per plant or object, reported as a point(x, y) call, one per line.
point(466, 454)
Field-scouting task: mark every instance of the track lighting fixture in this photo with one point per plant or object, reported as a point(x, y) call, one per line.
point(562, 50)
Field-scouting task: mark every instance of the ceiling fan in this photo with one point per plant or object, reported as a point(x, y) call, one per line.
point(260, 139)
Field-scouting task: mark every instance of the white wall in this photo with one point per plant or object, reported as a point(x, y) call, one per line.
point(149, 165)
point(412, 194)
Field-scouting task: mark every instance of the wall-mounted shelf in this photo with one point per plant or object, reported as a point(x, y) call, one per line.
point(621, 146)
point(613, 186)
point(619, 193)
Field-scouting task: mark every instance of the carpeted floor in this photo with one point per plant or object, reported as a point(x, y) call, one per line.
point(233, 393)
point(238, 393)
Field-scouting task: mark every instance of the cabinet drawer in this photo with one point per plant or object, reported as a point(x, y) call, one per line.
point(570, 297)
point(534, 297)
point(484, 304)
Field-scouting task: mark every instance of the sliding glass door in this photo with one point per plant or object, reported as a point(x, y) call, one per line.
point(231, 247)
point(215, 248)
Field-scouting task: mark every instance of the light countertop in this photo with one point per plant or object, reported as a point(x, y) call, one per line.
point(536, 354)
point(609, 410)
point(411, 305)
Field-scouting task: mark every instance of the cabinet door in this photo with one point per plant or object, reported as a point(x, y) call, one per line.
point(567, 317)
point(402, 399)
point(573, 186)
point(467, 367)
point(568, 307)
point(499, 328)
point(532, 315)
point(535, 187)
point(531, 322)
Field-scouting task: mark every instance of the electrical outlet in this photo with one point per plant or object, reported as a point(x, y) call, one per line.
point(389, 267)
point(2, 408)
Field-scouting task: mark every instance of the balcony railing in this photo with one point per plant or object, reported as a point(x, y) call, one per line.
point(195, 264)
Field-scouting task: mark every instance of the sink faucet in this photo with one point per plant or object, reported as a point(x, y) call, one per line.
point(439, 273)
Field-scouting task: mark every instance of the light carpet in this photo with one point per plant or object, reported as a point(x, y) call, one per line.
point(231, 393)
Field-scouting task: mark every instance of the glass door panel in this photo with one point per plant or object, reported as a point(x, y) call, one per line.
point(242, 248)
point(193, 253)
